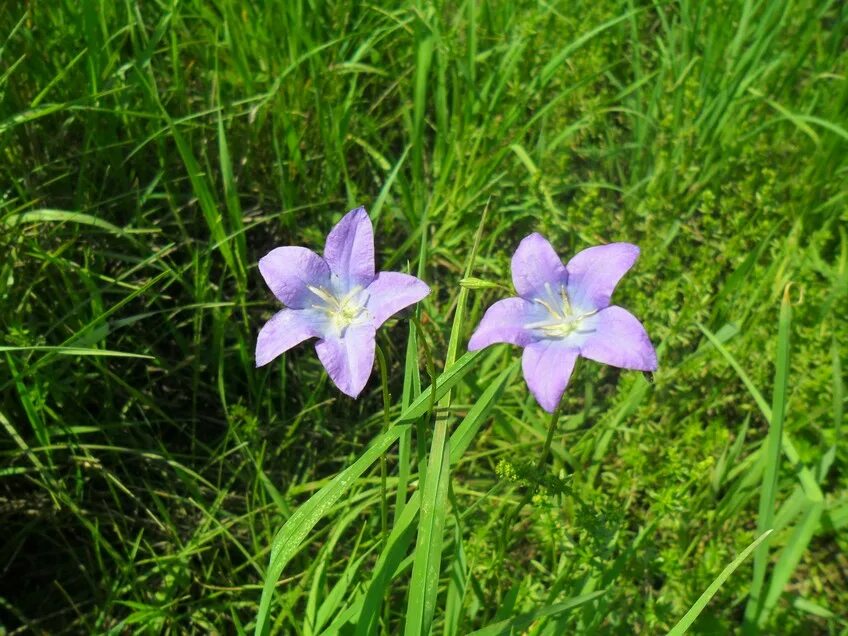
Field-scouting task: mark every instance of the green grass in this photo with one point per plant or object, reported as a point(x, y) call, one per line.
point(153, 151)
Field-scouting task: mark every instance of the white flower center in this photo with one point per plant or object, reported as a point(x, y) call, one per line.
point(562, 318)
point(341, 311)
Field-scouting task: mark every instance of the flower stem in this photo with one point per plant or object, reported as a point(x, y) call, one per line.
point(384, 505)
point(546, 449)
point(540, 464)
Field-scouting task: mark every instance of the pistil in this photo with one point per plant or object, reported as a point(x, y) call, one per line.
point(563, 320)
point(343, 311)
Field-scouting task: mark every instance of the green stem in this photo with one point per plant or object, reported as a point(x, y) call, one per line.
point(546, 449)
point(540, 464)
point(384, 504)
point(423, 424)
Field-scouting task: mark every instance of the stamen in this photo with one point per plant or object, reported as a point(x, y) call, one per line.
point(342, 312)
point(543, 324)
point(566, 304)
point(323, 294)
point(551, 294)
point(563, 320)
point(546, 305)
point(353, 292)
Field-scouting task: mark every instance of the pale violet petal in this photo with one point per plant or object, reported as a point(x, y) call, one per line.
point(535, 264)
point(283, 331)
point(349, 250)
point(392, 291)
point(349, 359)
point(547, 367)
point(290, 271)
point(594, 273)
point(620, 340)
point(505, 322)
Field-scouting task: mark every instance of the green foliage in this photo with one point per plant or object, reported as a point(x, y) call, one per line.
point(153, 151)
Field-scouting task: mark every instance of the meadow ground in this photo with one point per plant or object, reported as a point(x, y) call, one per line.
point(153, 151)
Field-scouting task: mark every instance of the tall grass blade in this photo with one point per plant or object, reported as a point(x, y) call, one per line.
point(401, 534)
point(686, 622)
point(424, 585)
point(521, 622)
point(771, 475)
point(295, 530)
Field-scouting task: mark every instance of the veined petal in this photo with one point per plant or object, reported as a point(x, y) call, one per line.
point(534, 264)
point(505, 322)
point(290, 271)
point(547, 367)
point(620, 340)
point(349, 359)
point(392, 291)
point(594, 273)
point(283, 331)
point(349, 250)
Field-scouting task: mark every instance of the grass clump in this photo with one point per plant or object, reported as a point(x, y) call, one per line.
point(152, 152)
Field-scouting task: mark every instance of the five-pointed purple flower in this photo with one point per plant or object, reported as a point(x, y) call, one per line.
point(564, 311)
point(337, 299)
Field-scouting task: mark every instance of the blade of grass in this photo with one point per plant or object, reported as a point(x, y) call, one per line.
point(771, 475)
point(79, 351)
point(306, 516)
point(411, 388)
point(424, 584)
point(444, 383)
point(521, 622)
point(401, 534)
point(295, 530)
point(458, 581)
point(61, 216)
point(789, 558)
point(231, 197)
point(805, 476)
point(689, 617)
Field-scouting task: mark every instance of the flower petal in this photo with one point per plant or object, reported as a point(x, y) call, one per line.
point(594, 273)
point(504, 322)
point(534, 264)
point(283, 331)
point(289, 271)
point(392, 291)
point(349, 359)
point(547, 367)
point(620, 340)
point(349, 250)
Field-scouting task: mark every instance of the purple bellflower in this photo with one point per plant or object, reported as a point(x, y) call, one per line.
point(564, 311)
point(338, 299)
